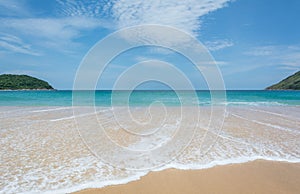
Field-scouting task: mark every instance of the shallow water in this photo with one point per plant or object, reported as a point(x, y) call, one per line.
point(145, 98)
point(42, 149)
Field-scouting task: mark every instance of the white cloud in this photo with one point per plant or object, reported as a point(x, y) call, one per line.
point(66, 28)
point(91, 8)
point(16, 48)
point(77, 16)
point(204, 64)
point(142, 58)
point(291, 59)
point(52, 32)
point(160, 50)
point(13, 8)
point(180, 14)
point(261, 51)
point(284, 57)
point(288, 56)
point(10, 38)
point(218, 44)
point(15, 44)
point(55, 33)
point(220, 63)
point(183, 15)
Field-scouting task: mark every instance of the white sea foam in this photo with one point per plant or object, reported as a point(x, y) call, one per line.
point(80, 115)
point(139, 175)
point(47, 156)
point(267, 124)
point(52, 109)
point(272, 113)
point(255, 104)
point(90, 185)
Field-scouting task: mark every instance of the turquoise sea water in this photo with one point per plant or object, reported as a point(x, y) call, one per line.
point(144, 98)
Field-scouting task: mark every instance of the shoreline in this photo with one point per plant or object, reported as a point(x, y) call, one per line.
point(249, 137)
point(258, 176)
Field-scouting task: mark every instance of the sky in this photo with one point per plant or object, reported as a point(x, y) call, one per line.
point(255, 43)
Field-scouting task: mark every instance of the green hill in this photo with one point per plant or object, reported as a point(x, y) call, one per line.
point(22, 82)
point(290, 83)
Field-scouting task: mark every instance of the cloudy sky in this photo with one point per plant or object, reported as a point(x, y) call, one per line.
point(254, 42)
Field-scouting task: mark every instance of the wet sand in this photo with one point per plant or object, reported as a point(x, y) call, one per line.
point(42, 151)
point(253, 177)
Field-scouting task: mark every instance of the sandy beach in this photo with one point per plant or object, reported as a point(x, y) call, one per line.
point(42, 151)
point(253, 177)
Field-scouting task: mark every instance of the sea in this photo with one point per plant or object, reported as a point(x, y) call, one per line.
point(142, 98)
point(64, 141)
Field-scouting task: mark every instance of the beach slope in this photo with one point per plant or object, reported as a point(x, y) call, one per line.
point(253, 177)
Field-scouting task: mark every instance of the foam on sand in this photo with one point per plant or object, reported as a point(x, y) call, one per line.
point(41, 151)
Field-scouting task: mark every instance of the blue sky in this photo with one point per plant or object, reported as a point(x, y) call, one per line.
point(254, 42)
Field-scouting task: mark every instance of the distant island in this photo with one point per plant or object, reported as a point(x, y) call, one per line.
point(290, 83)
point(22, 82)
